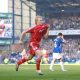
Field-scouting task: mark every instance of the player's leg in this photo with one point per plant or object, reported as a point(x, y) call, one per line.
point(53, 61)
point(61, 64)
point(23, 53)
point(45, 60)
point(52, 64)
point(24, 59)
point(34, 47)
point(38, 53)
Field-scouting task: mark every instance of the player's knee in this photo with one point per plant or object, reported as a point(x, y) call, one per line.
point(39, 53)
point(61, 60)
point(24, 57)
point(30, 57)
point(54, 60)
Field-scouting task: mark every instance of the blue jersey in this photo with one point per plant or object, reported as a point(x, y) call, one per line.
point(58, 45)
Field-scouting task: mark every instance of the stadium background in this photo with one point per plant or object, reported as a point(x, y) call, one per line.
point(64, 16)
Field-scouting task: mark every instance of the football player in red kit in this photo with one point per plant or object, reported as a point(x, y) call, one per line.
point(2, 30)
point(36, 34)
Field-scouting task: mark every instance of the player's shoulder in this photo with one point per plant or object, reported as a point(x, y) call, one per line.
point(2, 26)
point(33, 27)
point(59, 38)
point(46, 25)
point(55, 39)
point(30, 28)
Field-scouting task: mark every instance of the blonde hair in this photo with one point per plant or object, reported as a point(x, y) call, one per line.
point(36, 19)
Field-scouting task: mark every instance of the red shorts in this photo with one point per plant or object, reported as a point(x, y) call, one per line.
point(33, 47)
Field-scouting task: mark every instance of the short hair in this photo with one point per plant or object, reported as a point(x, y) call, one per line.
point(36, 19)
point(60, 34)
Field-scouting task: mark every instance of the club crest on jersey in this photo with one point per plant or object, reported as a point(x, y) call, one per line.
point(42, 30)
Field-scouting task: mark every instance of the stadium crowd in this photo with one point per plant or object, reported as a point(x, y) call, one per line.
point(71, 51)
point(65, 23)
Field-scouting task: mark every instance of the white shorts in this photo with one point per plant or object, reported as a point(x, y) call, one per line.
point(57, 55)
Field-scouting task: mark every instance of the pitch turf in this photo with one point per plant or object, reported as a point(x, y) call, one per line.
point(27, 72)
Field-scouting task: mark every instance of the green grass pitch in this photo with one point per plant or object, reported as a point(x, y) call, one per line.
point(27, 72)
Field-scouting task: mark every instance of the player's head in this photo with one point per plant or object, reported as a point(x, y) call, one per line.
point(39, 20)
point(60, 35)
point(2, 26)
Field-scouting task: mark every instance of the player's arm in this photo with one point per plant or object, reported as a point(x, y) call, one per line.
point(63, 40)
point(47, 33)
point(24, 33)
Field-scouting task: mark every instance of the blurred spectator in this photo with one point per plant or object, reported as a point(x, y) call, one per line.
point(66, 23)
point(71, 51)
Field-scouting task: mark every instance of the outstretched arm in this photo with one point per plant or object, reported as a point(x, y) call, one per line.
point(24, 33)
point(47, 33)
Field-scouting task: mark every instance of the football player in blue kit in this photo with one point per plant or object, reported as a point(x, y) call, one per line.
point(57, 51)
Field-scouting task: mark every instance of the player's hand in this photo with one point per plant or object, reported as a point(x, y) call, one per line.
point(20, 42)
point(62, 37)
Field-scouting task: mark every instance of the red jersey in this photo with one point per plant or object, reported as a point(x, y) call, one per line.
point(37, 32)
point(2, 26)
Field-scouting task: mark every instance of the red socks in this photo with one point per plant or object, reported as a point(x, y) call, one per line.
point(38, 64)
point(21, 61)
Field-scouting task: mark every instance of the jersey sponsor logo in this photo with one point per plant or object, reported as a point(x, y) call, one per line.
point(42, 30)
point(35, 48)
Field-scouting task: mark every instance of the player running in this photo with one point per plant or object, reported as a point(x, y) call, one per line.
point(57, 51)
point(36, 34)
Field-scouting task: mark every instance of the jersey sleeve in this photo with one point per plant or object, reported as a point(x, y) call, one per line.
point(46, 25)
point(29, 30)
point(62, 41)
